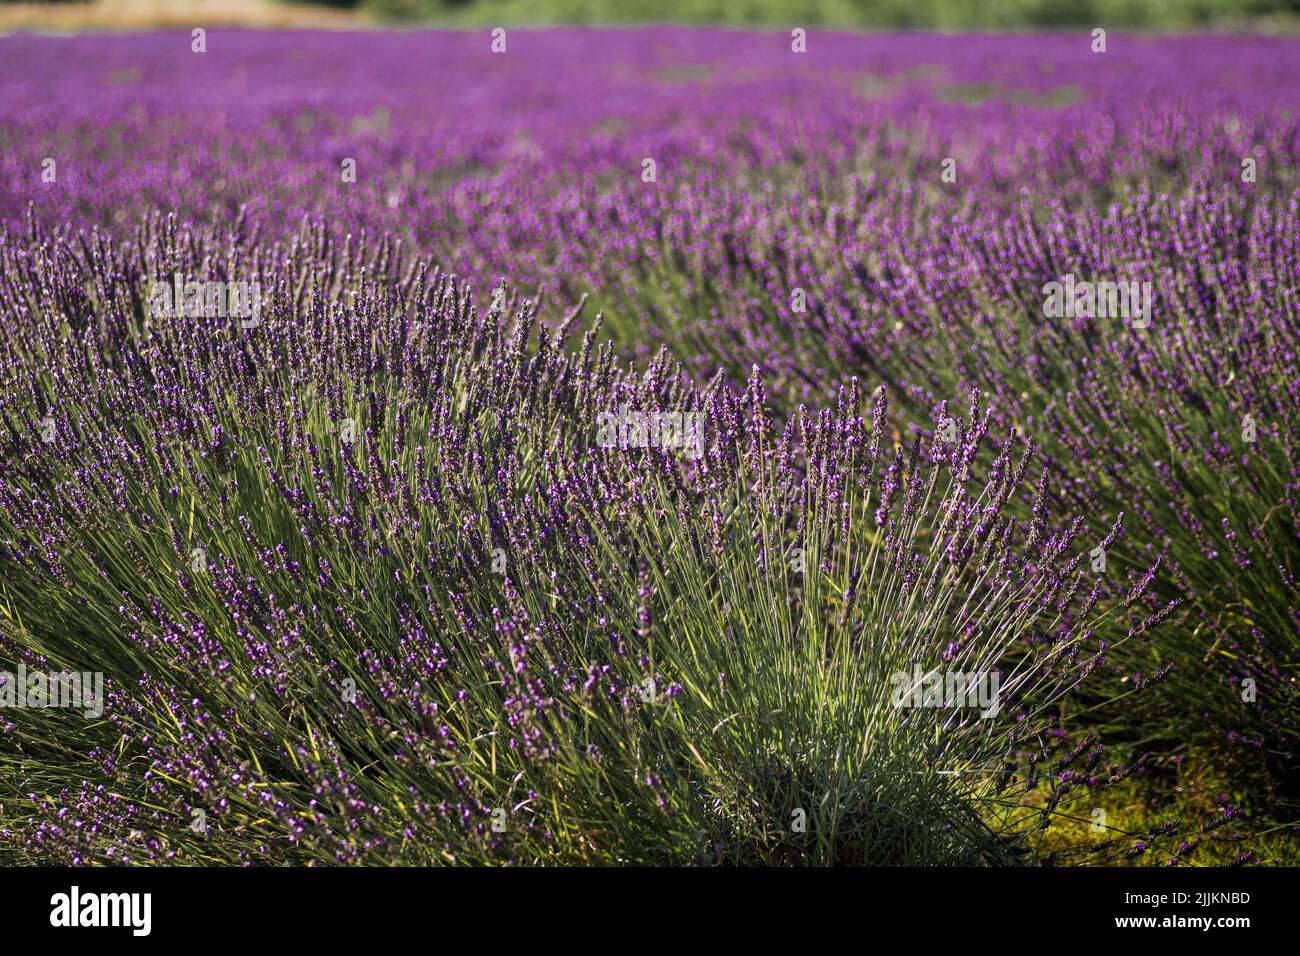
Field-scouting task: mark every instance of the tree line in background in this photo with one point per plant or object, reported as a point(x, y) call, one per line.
point(940, 14)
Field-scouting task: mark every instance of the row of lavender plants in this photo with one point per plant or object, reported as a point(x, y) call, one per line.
point(381, 569)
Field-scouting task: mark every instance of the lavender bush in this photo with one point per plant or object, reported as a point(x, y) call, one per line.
point(464, 612)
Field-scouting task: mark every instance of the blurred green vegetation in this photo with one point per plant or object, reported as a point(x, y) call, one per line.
point(937, 14)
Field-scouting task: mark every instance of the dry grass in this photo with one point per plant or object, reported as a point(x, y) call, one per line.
point(170, 14)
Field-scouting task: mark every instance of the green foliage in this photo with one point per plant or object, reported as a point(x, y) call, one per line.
point(904, 14)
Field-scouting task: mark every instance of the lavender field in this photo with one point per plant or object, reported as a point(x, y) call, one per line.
point(649, 446)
